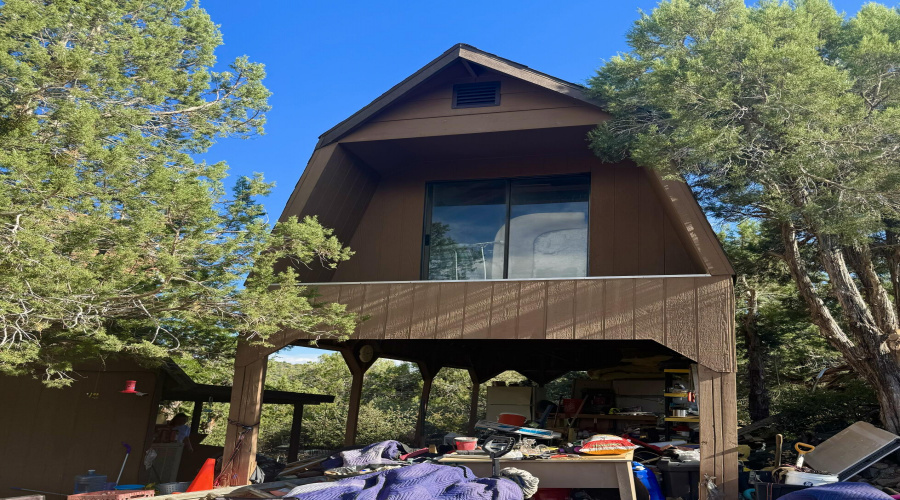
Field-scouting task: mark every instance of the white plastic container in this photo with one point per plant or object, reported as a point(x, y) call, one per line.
point(806, 479)
point(86, 483)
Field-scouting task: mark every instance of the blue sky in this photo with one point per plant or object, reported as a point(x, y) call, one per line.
point(325, 60)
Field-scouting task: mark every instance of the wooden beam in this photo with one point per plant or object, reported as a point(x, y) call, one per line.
point(196, 414)
point(358, 369)
point(428, 371)
point(296, 427)
point(718, 430)
point(473, 400)
point(469, 68)
point(243, 416)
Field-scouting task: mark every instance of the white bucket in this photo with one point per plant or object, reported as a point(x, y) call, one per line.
point(806, 479)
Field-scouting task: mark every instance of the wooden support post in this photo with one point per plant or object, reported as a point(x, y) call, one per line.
point(428, 371)
point(195, 417)
point(243, 415)
point(718, 430)
point(296, 427)
point(358, 369)
point(473, 401)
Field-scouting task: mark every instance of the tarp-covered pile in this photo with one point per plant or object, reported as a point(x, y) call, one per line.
point(414, 482)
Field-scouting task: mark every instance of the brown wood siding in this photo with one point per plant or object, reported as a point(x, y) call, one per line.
point(630, 233)
point(435, 99)
point(690, 315)
point(336, 187)
point(49, 435)
point(427, 111)
point(717, 399)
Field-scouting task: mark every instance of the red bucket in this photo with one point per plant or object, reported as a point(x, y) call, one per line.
point(466, 443)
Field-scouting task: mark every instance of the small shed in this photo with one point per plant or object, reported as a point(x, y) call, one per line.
point(488, 237)
point(48, 436)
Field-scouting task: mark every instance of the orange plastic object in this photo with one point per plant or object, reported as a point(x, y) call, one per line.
point(204, 479)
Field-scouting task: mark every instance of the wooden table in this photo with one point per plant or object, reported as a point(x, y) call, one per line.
point(600, 471)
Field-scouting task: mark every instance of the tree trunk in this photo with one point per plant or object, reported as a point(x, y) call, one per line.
point(759, 394)
point(871, 351)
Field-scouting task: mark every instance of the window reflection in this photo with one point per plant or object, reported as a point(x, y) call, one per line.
point(466, 218)
point(548, 227)
point(547, 231)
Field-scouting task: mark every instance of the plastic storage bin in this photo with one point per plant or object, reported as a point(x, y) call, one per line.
point(680, 479)
point(86, 483)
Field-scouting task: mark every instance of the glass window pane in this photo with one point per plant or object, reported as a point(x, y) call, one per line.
point(549, 227)
point(467, 230)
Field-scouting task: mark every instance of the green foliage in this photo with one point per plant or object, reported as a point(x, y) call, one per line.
point(785, 112)
point(113, 238)
point(803, 413)
point(389, 407)
point(782, 110)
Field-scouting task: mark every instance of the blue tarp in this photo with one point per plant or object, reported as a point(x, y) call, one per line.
point(414, 482)
point(839, 491)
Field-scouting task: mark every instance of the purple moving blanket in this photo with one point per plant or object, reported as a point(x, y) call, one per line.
point(414, 482)
point(838, 491)
point(384, 452)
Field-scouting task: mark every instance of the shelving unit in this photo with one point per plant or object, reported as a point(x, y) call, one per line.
point(670, 374)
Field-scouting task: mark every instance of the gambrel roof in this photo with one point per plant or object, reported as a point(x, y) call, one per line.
point(400, 122)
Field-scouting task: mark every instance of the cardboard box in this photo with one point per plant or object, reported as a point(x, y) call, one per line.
point(509, 395)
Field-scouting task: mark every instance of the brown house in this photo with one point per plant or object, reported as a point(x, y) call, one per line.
point(488, 237)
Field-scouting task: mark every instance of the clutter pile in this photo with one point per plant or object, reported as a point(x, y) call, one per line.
point(839, 466)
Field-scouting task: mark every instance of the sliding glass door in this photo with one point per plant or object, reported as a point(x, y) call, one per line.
point(544, 221)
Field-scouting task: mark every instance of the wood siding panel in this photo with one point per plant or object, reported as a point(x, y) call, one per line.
point(399, 314)
point(412, 194)
point(343, 184)
point(561, 309)
point(690, 315)
point(450, 310)
point(626, 240)
point(619, 309)
point(427, 107)
point(677, 258)
point(426, 298)
point(728, 399)
point(714, 325)
point(368, 241)
point(651, 236)
point(477, 318)
point(504, 309)
point(532, 310)
point(390, 263)
point(718, 429)
point(681, 315)
point(375, 305)
point(649, 309)
point(589, 309)
point(602, 222)
point(629, 234)
point(477, 124)
point(48, 435)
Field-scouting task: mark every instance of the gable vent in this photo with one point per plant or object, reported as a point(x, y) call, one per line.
point(474, 95)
